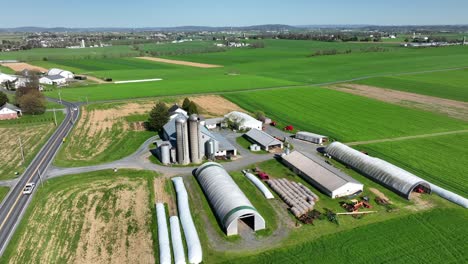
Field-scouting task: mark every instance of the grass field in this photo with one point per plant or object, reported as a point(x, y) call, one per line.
point(448, 84)
point(3, 192)
point(98, 217)
point(33, 131)
point(280, 63)
point(440, 160)
point(342, 116)
point(105, 132)
point(432, 237)
point(6, 70)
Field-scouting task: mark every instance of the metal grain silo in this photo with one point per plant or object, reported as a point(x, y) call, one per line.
point(182, 141)
point(165, 154)
point(194, 136)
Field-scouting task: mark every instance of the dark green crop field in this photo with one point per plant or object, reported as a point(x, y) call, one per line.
point(438, 236)
point(343, 116)
point(447, 84)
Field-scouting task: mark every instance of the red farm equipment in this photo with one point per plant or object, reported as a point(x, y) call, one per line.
point(273, 123)
point(288, 128)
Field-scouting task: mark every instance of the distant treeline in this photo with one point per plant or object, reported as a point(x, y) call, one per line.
point(328, 37)
point(329, 52)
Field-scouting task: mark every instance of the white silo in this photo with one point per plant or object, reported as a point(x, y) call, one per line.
point(194, 136)
point(182, 141)
point(165, 154)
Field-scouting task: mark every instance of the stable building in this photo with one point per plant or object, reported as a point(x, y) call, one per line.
point(321, 175)
point(227, 200)
point(311, 137)
point(264, 140)
point(53, 80)
point(9, 111)
point(65, 74)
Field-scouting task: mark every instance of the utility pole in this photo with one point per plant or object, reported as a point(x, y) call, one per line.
point(60, 97)
point(21, 149)
point(87, 100)
point(40, 177)
point(55, 118)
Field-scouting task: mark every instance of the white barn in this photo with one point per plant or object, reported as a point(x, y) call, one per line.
point(53, 80)
point(244, 121)
point(324, 177)
point(9, 111)
point(63, 73)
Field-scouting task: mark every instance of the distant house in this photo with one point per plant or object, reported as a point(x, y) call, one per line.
point(213, 123)
point(63, 73)
point(9, 111)
point(53, 80)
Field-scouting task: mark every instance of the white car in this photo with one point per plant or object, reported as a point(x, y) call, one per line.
point(28, 188)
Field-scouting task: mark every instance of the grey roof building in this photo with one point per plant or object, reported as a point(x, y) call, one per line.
point(264, 140)
point(324, 177)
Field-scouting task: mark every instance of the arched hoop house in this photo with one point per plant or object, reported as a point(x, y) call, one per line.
point(396, 178)
point(227, 200)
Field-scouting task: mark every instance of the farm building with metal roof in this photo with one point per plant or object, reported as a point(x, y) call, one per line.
point(63, 73)
point(396, 178)
point(324, 177)
point(264, 140)
point(226, 199)
point(311, 137)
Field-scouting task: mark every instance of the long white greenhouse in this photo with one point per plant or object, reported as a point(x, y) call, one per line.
point(227, 200)
point(398, 179)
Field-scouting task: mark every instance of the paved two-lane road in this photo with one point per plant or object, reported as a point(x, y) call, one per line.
point(16, 202)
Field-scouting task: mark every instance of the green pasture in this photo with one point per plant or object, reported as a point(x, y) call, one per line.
point(440, 160)
point(437, 236)
point(447, 84)
point(3, 192)
point(343, 116)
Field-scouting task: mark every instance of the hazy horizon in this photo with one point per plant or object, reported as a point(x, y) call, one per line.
point(210, 13)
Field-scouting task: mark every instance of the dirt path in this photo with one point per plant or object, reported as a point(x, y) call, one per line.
point(94, 79)
point(161, 196)
point(214, 105)
point(452, 108)
point(19, 66)
point(405, 138)
point(179, 62)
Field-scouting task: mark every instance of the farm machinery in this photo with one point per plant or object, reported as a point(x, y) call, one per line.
point(354, 205)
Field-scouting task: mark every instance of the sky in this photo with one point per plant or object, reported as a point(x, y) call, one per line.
point(157, 13)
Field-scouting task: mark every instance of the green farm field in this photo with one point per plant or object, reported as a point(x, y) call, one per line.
point(437, 236)
point(440, 160)
point(280, 63)
point(448, 84)
point(343, 116)
point(98, 217)
point(3, 192)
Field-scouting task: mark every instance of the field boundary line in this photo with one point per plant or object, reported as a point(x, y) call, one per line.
point(405, 138)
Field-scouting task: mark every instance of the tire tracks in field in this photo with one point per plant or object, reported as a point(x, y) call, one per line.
point(405, 138)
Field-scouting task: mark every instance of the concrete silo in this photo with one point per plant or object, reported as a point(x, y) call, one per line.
point(194, 136)
point(165, 154)
point(182, 141)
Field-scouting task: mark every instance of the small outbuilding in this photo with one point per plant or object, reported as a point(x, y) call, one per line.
point(324, 177)
point(227, 200)
point(243, 121)
point(264, 140)
point(9, 111)
point(311, 137)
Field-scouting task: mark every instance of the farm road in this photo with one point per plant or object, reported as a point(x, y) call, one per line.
point(405, 138)
point(139, 160)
